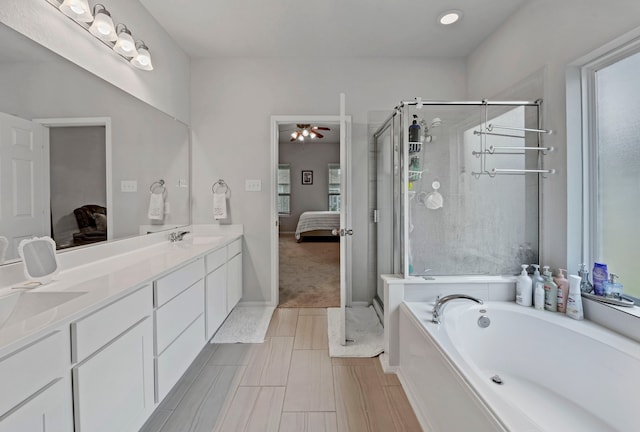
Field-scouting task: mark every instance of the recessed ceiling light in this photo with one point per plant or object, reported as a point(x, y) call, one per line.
point(449, 17)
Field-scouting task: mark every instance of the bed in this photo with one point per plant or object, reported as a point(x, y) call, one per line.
point(317, 223)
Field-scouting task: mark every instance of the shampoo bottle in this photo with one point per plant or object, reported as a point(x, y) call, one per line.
point(538, 288)
point(563, 290)
point(524, 287)
point(599, 276)
point(574, 300)
point(414, 130)
point(550, 291)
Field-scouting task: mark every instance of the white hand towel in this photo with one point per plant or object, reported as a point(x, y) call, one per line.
point(156, 206)
point(219, 205)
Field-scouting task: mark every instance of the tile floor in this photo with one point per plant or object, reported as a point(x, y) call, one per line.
point(288, 384)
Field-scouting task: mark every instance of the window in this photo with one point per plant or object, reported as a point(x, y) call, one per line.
point(334, 187)
point(612, 174)
point(284, 189)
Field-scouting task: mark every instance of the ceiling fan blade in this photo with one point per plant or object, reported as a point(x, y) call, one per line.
point(320, 128)
point(319, 135)
point(292, 139)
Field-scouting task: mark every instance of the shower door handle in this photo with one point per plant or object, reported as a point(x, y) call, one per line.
point(342, 232)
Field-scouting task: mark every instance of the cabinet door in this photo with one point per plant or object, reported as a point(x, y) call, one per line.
point(234, 285)
point(216, 299)
point(113, 389)
point(49, 410)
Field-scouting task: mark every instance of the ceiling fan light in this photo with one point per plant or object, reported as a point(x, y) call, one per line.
point(125, 45)
point(78, 10)
point(294, 135)
point(305, 132)
point(312, 135)
point(300, 137)
point(102, 26)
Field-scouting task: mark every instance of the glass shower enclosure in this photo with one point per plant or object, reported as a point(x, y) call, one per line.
point(458, 188)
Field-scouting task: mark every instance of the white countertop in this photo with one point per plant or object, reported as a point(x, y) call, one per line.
point(105, 281)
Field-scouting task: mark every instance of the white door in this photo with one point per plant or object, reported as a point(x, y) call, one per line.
point(24, 190)
point(345, 218)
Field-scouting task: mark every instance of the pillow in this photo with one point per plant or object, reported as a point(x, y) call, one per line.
point(101, 221)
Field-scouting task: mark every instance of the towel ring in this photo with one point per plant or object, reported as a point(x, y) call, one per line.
point(159, 183)
point(221, 184)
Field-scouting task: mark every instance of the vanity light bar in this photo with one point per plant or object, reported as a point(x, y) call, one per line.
point(98, 23)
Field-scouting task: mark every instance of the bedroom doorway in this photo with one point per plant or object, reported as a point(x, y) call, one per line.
point(307, 202)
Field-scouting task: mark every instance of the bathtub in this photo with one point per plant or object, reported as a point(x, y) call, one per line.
point(557, 374)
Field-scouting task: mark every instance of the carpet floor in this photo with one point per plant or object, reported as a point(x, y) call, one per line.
point(309, 273)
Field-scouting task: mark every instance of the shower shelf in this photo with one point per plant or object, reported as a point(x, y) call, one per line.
point(415, 147)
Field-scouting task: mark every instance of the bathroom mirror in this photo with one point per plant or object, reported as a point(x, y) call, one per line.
point(39, 258)
point(103, 150)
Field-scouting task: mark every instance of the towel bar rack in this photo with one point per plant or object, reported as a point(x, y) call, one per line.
point(221, 184)
point(159, 183)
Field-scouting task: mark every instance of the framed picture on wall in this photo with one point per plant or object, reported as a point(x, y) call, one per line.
point(307, 177)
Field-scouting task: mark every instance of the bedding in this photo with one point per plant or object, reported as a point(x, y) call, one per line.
point(317, 221)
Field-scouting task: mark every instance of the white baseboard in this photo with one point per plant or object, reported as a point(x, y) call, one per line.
point(384, 362)
point(254, 303)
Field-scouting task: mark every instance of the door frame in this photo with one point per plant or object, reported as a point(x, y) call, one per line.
point(276, 121)
point(88, 121)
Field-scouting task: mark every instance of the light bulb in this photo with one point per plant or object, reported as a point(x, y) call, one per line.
point(125, 45)
point(312, 135)
point(450, 17)
point(294, 134)
point(300, 138)
point(103, 27)
point(143, 59)
point(77, 9)
point(305, 132)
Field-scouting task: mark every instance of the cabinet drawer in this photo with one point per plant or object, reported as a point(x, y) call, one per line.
point(94, 331)
point(216, 258)
point(176, 315)
point(174, 283)
point(234, 248)
point(31, 368)
point(175, 360)
point(216, 300)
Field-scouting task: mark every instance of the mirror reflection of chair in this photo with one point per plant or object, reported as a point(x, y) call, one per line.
point(92, 224)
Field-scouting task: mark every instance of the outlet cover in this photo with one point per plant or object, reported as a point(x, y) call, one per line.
point(253, 185)
point(128, 186)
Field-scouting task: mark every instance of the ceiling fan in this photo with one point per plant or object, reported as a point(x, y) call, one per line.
point(306, 130)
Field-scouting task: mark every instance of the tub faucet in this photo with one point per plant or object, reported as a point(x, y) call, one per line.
point(440, 302)
point(177, 236)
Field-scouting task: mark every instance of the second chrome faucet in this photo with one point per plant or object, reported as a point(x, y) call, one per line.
point(440, 302)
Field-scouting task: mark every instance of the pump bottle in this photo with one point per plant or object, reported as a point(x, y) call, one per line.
point(563, 290)
point(524, 286)
point(538, 288)
point(550, 291)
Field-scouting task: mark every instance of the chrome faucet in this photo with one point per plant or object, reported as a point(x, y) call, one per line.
point(440, 302)
point(177, 236)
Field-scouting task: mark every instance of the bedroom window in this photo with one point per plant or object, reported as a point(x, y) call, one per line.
point(284, 189)
point(613, 170)
point(334, 187)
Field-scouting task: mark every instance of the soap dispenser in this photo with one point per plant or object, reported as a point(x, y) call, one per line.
point(524, 286)
point(612, 288)
point(538, 288)
point(563, 289)
point(550, 291)
point(585, 285)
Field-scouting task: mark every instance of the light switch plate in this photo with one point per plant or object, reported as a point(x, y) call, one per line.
point(128, 186)
point(253, 185)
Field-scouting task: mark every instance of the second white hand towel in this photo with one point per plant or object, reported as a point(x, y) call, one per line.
point(219, 205)
point(156, 206)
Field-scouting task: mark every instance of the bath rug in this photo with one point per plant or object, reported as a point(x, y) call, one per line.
point(245, 324)
point(363, 328)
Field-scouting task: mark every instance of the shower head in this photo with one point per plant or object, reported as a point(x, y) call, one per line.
point(435, 122)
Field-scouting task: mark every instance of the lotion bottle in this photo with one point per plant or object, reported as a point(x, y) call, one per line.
point(563, 290)
point(538, 288)
point(550, 291)
point(524, 287)
point(574, 300)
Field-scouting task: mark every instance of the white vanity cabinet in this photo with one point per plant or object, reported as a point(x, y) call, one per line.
point(216, 290)
point(179, 323)
point(36, 386)
point(113, 375)
point(234, 274)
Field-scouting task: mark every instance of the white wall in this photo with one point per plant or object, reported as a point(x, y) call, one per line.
point(314, 156)
point(232, 100)
point(548, 35)
point(166, 87)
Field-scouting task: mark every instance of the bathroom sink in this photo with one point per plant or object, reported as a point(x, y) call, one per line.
point(22, 305)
